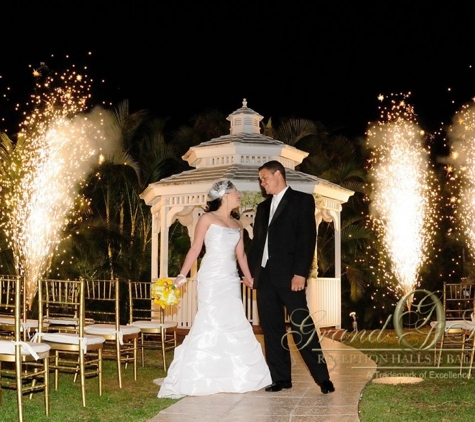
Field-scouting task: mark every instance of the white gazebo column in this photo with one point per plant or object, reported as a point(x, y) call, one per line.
point(155, 234)
point(324, 293)
point(334, 289)
point(312, 290)
point(164, 242)
point(336, 217)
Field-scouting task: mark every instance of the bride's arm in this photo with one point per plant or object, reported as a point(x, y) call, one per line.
point(200, 231)
point(242, 261)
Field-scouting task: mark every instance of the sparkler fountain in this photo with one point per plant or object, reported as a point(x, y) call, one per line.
point(402, 207)
point(462, 169)
point(58, 143)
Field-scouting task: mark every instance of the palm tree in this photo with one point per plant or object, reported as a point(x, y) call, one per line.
point(201, 128)
point(114, 220)
point(115, 186)
point(10, 173)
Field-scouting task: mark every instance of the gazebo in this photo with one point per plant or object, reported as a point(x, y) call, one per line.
point(237, 156)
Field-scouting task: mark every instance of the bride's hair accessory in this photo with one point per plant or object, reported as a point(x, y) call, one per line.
point(219, 188)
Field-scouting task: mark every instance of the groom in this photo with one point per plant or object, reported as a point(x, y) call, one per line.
point(280, 258)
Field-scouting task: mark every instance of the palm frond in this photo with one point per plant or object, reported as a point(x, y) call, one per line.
point(292, 131)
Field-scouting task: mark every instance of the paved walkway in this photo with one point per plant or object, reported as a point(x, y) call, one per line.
point(350, 370)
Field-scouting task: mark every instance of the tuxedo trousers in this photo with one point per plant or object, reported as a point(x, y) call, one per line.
point(272, 299)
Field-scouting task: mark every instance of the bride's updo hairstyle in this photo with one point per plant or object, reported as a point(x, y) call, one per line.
point(216, 193)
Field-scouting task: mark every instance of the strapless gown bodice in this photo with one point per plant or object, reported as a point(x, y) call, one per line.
point(220, 353)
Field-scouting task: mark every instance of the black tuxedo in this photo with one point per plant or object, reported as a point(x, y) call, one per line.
point(291, 245)
point(292, 237)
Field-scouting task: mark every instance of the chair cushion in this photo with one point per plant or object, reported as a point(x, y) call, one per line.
point(7, 320)
point(70, 338)
point(7, 347)
point(153, 324)
point(108, 329)
point(59, 321)
point(456, 323)
point(68, 322)
point(29, 323)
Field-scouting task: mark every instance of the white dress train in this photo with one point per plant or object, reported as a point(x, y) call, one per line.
point(220, 354)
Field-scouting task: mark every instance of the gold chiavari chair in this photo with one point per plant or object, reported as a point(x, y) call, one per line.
point(458, 302)
point(7, 307)
point(24, 365)
point(74, 351)
point(468, 352)
point(154, 332)
point(7, 318)
point(104, 307)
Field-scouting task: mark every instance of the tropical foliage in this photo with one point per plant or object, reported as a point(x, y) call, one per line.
point(113, 236)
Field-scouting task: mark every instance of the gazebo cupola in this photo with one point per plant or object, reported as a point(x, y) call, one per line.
point(243, 147)
point(245, 120)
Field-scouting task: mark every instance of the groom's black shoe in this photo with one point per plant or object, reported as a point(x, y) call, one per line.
point(278, 385)
point(327, 387)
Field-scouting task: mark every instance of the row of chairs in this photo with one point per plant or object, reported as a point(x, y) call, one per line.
point(79, 325)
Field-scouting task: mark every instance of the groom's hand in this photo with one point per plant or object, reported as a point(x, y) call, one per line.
point(297, 283)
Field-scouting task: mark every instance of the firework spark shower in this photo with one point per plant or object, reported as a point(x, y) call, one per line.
point(403, 192)
point(462, 140)
point(57, 146)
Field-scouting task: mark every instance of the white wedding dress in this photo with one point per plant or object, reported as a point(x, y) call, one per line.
point(220, 354)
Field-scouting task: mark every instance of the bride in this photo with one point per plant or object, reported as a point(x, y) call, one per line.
point(220, 354)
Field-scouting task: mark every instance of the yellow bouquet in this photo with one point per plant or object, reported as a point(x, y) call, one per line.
point(165, 293)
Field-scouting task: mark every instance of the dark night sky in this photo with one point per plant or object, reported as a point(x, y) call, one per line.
point(323, 60)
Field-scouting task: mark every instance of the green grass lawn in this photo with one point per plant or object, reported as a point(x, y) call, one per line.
point(432, 400)
point(443, 395)
point(137, 400)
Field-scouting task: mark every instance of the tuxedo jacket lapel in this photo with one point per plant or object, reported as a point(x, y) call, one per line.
point(282, 204)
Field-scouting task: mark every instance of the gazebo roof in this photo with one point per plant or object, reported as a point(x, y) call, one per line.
point(244, 177)
point(238, 156)
point(244, 138)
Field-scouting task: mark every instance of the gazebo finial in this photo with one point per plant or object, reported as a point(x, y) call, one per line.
point(244, 102)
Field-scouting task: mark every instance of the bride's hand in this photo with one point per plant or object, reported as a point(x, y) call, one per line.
point(180, 280)
point(248, 282)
